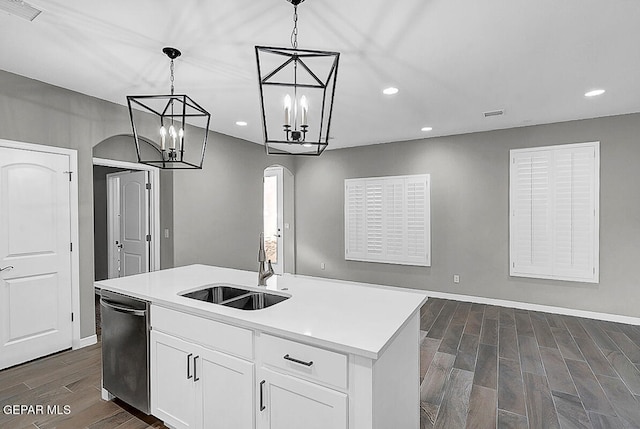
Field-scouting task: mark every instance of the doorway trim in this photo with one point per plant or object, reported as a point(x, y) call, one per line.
point(154, 215)
point(76, 341)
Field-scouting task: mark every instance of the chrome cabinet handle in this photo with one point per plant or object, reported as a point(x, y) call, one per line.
point(8, 268)
point(301, 362)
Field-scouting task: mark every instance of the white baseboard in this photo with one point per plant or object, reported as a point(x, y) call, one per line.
point(537, 307)
point(85, 342)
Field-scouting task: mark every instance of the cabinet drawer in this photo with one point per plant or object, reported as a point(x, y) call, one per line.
point(304, 360)
point(209, 333)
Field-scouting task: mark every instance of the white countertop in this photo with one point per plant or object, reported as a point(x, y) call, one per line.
point(351, 317)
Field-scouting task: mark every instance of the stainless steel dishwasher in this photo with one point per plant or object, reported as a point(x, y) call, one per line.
point(125, 348)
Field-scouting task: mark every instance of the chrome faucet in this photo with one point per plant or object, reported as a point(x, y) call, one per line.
point(263, 273)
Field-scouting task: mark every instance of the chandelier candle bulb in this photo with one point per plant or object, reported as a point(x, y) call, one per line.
point(163, 136)
point(305, 107)
point(181, 136)
point(172, 134)
point(287, 110)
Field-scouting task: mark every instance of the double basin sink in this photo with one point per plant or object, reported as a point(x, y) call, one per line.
point(235, 297)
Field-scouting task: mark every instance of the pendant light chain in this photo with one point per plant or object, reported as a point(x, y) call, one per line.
point(294, 33)
point(172, 76)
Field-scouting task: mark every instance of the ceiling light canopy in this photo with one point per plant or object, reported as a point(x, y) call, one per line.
point(179, 145)
point(241, 123)
point(390, 91)
point(297, 87)
point(427, 129)
point(594, 93)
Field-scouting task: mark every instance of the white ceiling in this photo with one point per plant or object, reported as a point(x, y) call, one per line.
point(451, 59)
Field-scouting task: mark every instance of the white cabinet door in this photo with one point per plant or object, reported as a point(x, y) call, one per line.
point(173, 391)
point(225, 388)
point(291, 403)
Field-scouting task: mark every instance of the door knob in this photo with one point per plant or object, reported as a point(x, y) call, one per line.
point(10, 267)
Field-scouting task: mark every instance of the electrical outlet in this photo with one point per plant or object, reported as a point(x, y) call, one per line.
point(322, 265)
point(166, 233)
point(456, 278)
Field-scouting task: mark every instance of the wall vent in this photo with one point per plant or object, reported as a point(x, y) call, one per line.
point(493, 113)
point(20, 9)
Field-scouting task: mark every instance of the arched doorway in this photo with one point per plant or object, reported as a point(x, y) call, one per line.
point(278, 218)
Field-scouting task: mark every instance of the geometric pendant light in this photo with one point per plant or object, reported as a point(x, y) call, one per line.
point(297, 87)
point(176, 124)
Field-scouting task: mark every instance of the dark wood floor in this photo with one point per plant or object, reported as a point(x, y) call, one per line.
point(483, 366)
point(68, 378)
point(480, 367)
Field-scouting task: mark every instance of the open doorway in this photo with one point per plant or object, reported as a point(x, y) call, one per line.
point(278, 218)
point(126, 220)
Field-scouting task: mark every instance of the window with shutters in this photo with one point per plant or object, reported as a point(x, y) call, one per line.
point(387, 219)
point(554, 212)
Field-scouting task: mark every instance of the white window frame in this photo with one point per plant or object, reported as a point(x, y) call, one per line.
point(405, 258)
point(550, 271)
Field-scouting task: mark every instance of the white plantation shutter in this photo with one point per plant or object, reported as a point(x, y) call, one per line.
point(373, 217)
point(554, 194)
point(387, 219)
point(355, 218)
point(531, 228)
point(575, 212)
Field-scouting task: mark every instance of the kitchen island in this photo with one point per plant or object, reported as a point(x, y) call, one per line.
point(335, 354)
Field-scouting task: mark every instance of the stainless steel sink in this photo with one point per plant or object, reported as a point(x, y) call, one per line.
point(216, 294)
point(235, 297)
point(255, 301)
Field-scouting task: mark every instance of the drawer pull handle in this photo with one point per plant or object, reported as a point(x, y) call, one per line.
point(301, 362)
point(195, 368)
point(189, 366)
point(262, 407)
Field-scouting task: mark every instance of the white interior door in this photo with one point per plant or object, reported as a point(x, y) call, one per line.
point(273, 208)
point(35, 255)
point(128, 223)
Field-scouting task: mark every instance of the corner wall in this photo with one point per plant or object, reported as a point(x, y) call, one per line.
point(469, 214)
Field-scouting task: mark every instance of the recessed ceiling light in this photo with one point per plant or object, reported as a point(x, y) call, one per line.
point(20, 9)
point(427, 128)
point(390, 91)
point(241, 123)
point(594, 93)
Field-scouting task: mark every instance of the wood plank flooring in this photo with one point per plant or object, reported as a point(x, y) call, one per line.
point(524, 369)
point(481, 367)
point(69, 378)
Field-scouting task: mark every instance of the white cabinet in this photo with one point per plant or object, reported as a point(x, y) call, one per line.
point(225, 387)
point(300, 385)
point(288, 402)
point(173, 392)
point(194, 386)
point(213, 375)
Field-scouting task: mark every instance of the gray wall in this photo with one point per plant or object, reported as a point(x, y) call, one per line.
point(469, 214)
point(34, 112)
point(218, 210)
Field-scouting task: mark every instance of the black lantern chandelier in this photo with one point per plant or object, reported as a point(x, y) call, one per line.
point(176, 146)
point(296, 95)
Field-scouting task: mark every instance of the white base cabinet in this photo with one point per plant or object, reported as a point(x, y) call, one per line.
point(213, 375)
point(291, 403)
point(173, 391)
point(193, 386)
